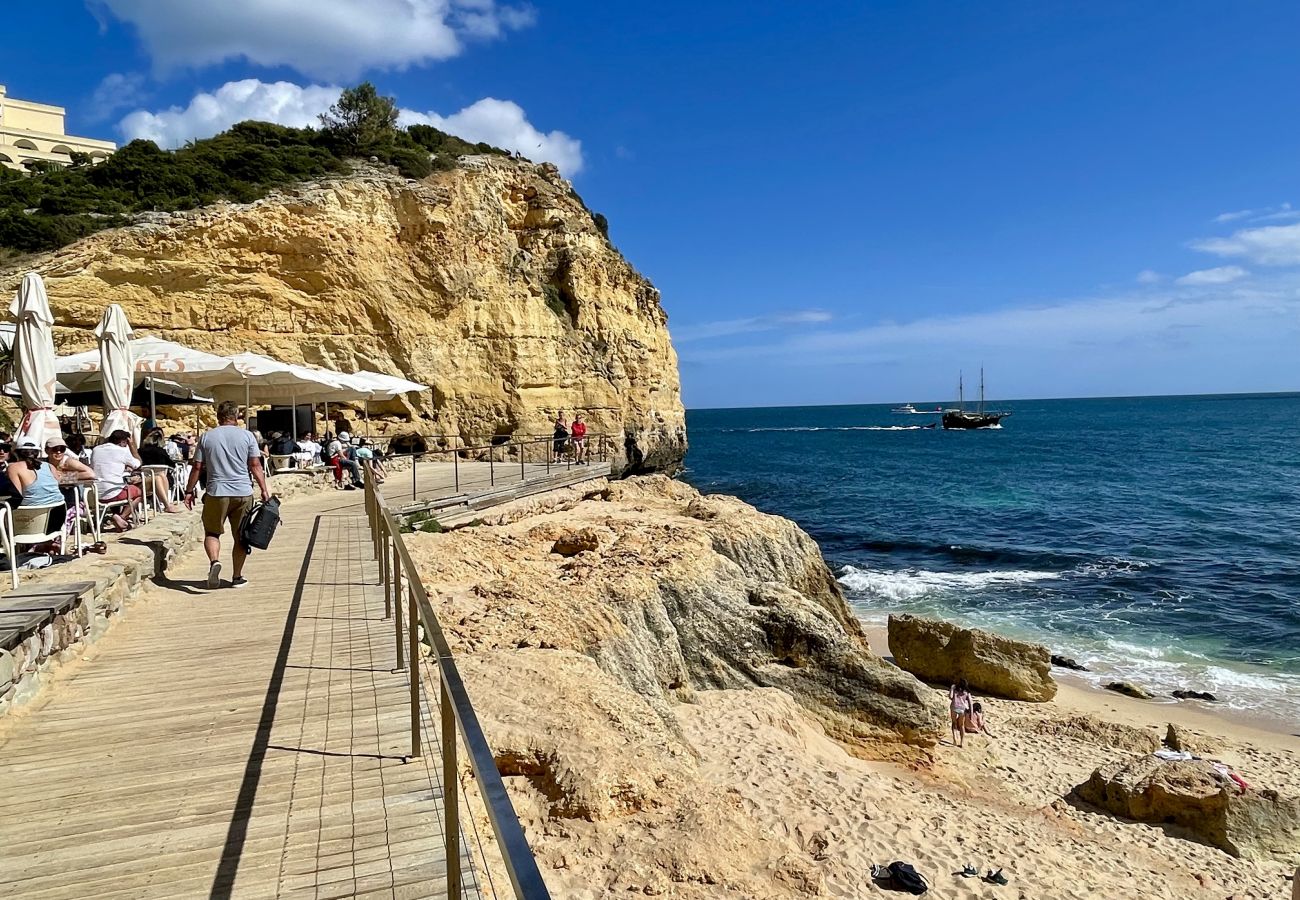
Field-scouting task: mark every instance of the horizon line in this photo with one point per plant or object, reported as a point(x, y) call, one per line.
point(1012, 400)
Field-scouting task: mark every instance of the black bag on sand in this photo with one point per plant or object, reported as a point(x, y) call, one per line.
point(259, 525)
point(899, 876)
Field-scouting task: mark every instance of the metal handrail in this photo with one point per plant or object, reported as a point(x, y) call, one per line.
point(599, 448)
point(457, 712)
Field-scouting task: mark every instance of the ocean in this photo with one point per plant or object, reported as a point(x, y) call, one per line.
point(1154, 539)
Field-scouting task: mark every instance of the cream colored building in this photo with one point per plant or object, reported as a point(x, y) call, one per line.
point(35, 131)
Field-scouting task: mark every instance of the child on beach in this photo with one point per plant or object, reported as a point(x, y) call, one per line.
point(959, 706)
point(975, 721)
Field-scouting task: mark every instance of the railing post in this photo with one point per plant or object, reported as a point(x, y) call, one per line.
point(385, 566)
point(523, 476)
point(492, 465)
point(450, 793)
point(413, 635)
point(455, 467)
point(397, 604)
point(413, 459)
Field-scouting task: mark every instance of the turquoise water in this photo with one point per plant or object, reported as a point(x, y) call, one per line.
point(1152, 538)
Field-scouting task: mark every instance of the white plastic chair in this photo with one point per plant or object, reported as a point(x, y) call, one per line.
point(101, 509)
point(31, 524)
point(7, 540)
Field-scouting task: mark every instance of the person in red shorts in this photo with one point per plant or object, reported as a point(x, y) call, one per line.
point(579, 435)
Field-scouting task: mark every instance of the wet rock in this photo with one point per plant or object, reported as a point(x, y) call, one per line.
point(942, 652)
point(1129, 689)
point(1065, 662)
point(1255, 824)
point(1195, 695)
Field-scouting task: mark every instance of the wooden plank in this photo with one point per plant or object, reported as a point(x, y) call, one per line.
point(244, 743)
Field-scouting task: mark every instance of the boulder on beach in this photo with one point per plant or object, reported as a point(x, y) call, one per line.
point(1256, 824)
point(939, 651)
point(1068, 662)
point(1129, 689)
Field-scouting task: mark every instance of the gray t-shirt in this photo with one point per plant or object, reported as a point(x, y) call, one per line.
point(225, 452)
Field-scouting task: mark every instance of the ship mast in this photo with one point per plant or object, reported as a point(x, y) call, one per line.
point(981, 409)
point(961, 394)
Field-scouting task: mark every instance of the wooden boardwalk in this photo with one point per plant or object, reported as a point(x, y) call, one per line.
point(232, 743)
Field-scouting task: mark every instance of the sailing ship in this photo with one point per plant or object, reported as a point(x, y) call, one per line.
point(960, 419)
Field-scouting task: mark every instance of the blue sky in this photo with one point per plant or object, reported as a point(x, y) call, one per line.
point(841, 202)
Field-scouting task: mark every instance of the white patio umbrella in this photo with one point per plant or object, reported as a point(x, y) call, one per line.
point(34, 360)
point(152, 357)
point(269, 381)
point(386, 387)
point(118, 368)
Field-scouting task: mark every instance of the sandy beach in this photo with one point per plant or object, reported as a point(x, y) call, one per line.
point(995, 803)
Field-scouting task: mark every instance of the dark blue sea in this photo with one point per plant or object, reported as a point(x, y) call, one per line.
point(1156, 538)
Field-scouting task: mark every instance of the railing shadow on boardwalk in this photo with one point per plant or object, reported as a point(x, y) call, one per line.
point(237, 833)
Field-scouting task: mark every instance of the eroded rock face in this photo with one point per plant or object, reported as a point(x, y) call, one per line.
point(1251, 823)
point(942, 652)
point(490, 283)
point(669, 602)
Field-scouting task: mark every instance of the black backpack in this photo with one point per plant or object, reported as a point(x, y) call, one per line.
point(900, 876)
point(259, 525)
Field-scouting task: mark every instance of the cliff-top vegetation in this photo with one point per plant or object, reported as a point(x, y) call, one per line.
point(53, 205)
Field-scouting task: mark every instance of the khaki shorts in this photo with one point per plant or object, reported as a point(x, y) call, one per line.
point(219, 510)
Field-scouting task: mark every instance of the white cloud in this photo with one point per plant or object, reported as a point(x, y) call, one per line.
point(498, 122)
point(504, 124)
point(235, 101)
point(1263, 214)
point(116, 92)
point(1147, 276)
point(320, 38)
point(1252, 311)
point(1219, 275)
point(730, 327)
point(1271, 245)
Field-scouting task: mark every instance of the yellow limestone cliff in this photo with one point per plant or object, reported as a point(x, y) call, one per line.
point(490, 282)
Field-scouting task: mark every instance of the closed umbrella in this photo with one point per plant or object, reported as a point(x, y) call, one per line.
point(117, 368)
point(34, 360)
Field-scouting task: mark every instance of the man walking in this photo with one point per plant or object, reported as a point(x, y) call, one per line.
point(232, 460)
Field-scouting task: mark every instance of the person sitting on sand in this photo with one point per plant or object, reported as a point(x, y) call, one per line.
point(959, 704)
point(975, 720)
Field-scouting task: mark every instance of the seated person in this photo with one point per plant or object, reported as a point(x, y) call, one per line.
point(77, 448)
point(337, 457)
point(308, 452)
point(975, 720)
point(113, 461)
point(153, 452)
point(10, 493)
point(39, 484)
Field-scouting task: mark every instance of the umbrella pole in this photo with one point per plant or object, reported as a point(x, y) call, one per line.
point(246, 403)
point(367, 417)
point(327, 415)
point(153, 402)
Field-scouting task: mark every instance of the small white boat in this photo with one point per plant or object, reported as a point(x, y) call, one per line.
point(905, 408)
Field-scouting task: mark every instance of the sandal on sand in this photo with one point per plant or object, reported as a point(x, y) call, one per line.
point(995, 877)
point(969, 871)
point(98, 547)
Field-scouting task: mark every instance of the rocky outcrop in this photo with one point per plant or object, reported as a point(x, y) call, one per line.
point(1191, 794)
point(1129, 689)
point(611, 797)
point(491, 283)
point(669, 602)
point(942, 652)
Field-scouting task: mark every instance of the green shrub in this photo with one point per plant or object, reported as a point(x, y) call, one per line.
point(55, 205)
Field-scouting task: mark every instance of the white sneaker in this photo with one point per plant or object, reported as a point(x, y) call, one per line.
point(214, 576)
